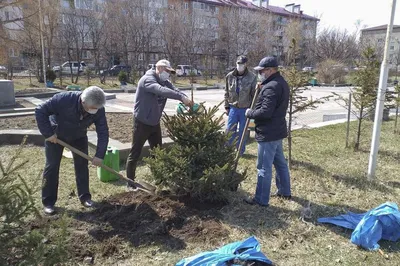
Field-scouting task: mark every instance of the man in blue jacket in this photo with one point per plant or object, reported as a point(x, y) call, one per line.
point(269, 117)
point(67, 116)
point(153, 90)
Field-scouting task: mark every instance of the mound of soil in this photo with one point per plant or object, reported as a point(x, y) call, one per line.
point(141, 220)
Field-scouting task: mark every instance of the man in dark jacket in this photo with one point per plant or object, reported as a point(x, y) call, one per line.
point(239, 92)
point(151, 96)
point(67, 116)
point(269, 117)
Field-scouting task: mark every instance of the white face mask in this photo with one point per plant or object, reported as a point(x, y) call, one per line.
point(92, 111)
point(240, 67)
point(164, 76)
point(262, 77)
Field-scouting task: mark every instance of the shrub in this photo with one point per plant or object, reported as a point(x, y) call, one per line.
point(51, 75)
point(331, 72)
point(123, 77)
point(199, 163)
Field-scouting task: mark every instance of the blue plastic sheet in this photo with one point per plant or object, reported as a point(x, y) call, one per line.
point(248, 250)
point(382, 222)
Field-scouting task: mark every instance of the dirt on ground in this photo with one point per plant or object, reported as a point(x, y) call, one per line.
point(120, 125)
point(140, 220)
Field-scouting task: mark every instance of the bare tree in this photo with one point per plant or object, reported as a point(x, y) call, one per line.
point(76, 36)
point(338, 45)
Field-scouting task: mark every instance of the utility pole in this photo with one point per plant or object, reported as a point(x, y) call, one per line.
point(380, 101)
point(42, 42)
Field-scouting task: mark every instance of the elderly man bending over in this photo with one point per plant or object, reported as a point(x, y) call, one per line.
point(67, 116)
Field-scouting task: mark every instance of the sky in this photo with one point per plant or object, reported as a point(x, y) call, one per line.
point(345, 13)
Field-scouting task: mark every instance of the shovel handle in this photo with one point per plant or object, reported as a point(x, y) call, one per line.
point(105, 167)
point(253, 103)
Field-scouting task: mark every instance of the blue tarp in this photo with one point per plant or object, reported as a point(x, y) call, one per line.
point(382, 222)
point(248, 250)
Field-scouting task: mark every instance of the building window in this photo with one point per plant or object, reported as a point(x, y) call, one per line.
point(186, 6)
point(12, 52)
point(392, 47)
point(84, 4)
point(141, 57)
point(86, 54)
point(216, 10)
point(66, 4)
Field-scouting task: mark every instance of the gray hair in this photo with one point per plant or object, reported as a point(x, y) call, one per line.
point(94, 96)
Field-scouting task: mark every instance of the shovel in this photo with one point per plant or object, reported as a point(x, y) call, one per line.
point(246, 126)
point(143, 186)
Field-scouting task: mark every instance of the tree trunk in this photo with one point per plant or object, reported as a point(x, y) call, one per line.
point(397, 115)
point(360, 119)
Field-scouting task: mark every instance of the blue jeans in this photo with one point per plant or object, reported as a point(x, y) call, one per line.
point(237, 116)
point(271, 153)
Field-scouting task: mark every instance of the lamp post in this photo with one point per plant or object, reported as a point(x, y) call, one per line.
point(380, 101)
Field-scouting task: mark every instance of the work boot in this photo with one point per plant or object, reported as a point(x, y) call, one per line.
point(88, 203)
point(252, 201)
point(277, 195)
point(49, 210)
point(131, 187)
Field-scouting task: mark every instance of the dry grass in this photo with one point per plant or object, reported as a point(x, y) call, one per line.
point(327, 174)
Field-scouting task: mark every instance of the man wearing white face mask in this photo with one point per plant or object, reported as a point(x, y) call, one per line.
point(67, 116)
point(269, 116)
point(152, 93)
point(239, 93)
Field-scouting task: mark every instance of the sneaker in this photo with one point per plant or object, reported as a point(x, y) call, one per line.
point(252, 201)
point(49, 210)
point(88, 203)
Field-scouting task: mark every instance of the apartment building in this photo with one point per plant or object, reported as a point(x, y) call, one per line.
point(207, 18)
point(376, 37)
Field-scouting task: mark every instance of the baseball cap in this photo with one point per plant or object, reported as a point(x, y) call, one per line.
point(241, 59)
point(268, 61)
point(165, 63)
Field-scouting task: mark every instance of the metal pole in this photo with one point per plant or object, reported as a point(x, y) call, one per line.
point(42, 42)
point(348, 121)
point(373, 157)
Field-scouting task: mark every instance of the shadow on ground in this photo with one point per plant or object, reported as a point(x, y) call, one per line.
point(351, 181)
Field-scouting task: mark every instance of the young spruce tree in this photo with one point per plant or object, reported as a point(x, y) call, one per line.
point(199, 163)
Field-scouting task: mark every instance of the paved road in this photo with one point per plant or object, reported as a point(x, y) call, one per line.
point(124, 102)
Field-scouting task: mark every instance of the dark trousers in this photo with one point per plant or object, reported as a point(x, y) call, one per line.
point(52, 168)
point(141, 133)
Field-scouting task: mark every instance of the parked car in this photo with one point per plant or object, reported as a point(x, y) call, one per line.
point(114, 70)
point(3, 71)
point(184, 70)
point(70, 67)
point(308, 69)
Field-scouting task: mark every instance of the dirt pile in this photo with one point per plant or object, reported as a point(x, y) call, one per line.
point(142, 220)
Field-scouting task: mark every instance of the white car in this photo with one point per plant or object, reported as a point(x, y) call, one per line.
point(66, 67)
point(184, 70)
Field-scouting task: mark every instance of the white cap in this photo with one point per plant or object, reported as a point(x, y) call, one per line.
point(165, 63)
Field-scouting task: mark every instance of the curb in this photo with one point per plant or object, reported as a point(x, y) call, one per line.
point(38, 95)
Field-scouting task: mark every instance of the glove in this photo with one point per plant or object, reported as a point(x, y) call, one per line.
point(247, 112)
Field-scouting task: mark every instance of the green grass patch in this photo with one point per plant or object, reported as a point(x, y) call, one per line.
point(331, 177)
